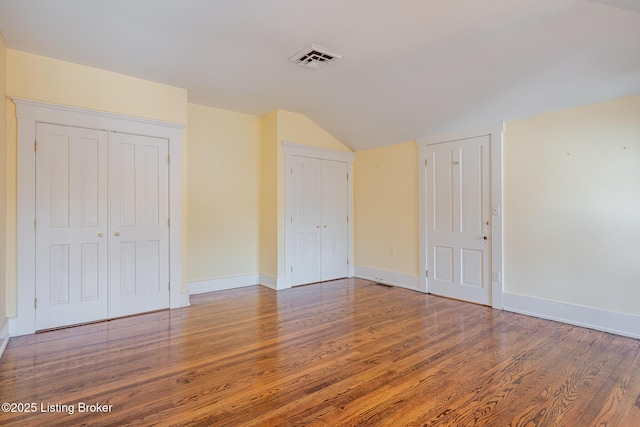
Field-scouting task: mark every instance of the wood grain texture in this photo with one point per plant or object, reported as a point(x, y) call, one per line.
point(341, 353)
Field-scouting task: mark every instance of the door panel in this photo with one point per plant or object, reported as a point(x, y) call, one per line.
point(458, 212)
point(305, 221)
point(152, 186)
point(89, 265)
point(443, 217)
point(125, 167)
point(71, 223)
point(152, 266)
point(472, 262)
point(471, 189)
point(60, 171)
point(334, 220)
point(59, 256)
point(127, 267)
point(139, 204)
point(443, 264)
point(90, 182)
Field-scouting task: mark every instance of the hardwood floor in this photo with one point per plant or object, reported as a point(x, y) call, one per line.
point(343, 353)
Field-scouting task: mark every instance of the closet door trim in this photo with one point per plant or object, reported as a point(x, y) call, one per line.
point(29, 113)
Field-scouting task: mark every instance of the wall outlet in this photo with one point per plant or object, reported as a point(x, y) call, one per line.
point(496, 276)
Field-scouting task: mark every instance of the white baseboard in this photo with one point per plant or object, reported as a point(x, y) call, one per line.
point(17, 328)
point(212, 285)
point(401, 280)
point(202, 286)
point(4, 336)
point(626, 325)
point(269, 282)
point(184, 299)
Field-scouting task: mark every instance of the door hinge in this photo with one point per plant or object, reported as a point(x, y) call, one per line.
point(168, 222)
point(35, 146)
point(169, 285)
point(425, 162)
point(291, 171)
point(292, 268)
point(169, 160)
point(34, 224)
point(347, 261)
point(426, 273)
point(347, 218)
point(35, 303)
point(347, 177)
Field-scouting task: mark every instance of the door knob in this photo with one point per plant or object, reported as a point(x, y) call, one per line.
point(485, 237)
point(100, 234)
point(117, 233)
point(325, 226)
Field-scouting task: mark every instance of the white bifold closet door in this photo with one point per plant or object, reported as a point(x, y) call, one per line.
point(318, 224)
point(335, 211)
point(101, 225)
point(139, 229)
point(71, 226)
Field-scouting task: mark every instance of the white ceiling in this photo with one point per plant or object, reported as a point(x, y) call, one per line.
point(411, 68)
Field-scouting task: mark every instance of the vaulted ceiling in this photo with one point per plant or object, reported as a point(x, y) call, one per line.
point(411, 68)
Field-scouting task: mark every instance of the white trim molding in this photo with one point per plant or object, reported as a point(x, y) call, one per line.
point(223, 283)
point(4, 337)
point(495, 137)
point(623, 324)
point(270, 282)
point(184, 299)
point(295, 149)
point(401, 280)
point(29, 113)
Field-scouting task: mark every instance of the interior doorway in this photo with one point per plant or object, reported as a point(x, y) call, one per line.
point(460, 218)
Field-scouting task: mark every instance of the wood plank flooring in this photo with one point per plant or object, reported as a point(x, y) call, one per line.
point(342, 353)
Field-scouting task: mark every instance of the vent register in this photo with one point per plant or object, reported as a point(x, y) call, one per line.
point(314, 57)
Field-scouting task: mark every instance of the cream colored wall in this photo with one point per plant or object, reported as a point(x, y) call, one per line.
point(294, 127)
point(3, 180)
point(386, 208)
point(50, 80)
point(269, 196)
point(224, 174)
point(572, 204)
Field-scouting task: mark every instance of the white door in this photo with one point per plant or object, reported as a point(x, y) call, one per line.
point(334, 220)
point(139, 229)
point(101, 225)
point(304, 228)
point(458, 214)
point(71, 226)
point(317, 231)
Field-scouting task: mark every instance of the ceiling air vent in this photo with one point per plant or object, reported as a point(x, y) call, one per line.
point(314, 56)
